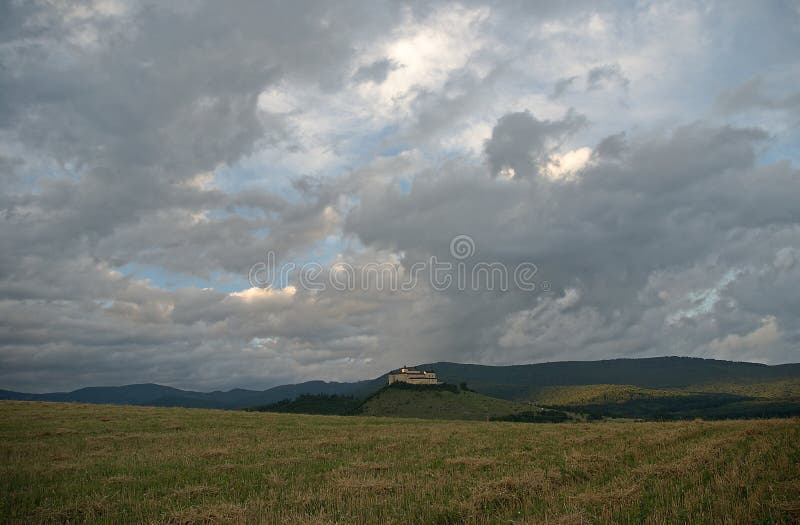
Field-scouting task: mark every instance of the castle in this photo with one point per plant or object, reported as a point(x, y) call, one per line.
point(415, 377)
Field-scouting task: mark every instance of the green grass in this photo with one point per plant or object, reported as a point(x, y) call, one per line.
point(111, 464)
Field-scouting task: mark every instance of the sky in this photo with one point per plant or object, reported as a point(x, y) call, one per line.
point(639, 159)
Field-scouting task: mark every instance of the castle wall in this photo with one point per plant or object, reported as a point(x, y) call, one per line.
point(415, 378)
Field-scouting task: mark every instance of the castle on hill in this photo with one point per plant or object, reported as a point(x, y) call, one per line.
point(413, 376)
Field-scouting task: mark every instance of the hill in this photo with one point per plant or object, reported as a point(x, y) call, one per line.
point(753, 388)
point(439, 402)
point(597, 394)
point(75, 463)
point(520, 382)
point(419, 401)
point(158, 395)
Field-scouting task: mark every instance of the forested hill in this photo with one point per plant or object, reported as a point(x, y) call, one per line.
point(507, 382)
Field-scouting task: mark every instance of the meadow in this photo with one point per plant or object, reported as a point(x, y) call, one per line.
point(77, 463)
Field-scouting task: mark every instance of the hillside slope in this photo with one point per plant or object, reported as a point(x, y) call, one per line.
point(513, 383)
point(595, 394)
point(600, 393)
point(439, 402)
point(519, 382)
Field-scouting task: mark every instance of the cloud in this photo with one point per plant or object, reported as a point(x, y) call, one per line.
point(376, 72)
point(149, 156)
point(561, 86)
point(673, 201)
point(606, 75)
point(754, 95)
point(747, 346)
point(611, 147)
point(521, 145)
point(566, 165)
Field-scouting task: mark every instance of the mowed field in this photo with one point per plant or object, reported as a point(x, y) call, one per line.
point(110, 464)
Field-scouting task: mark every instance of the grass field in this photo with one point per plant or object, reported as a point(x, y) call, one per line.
point(110, 464)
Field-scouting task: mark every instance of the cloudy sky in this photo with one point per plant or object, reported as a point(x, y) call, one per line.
point(644, 156)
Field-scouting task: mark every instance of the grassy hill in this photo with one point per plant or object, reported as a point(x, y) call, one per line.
point(439, 402)
point(74, 463)
point(419, 401)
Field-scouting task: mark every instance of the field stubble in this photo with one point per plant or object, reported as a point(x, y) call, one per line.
point(111, 464)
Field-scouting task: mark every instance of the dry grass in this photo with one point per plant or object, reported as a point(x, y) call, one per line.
point(104, 464)
point(214, 513)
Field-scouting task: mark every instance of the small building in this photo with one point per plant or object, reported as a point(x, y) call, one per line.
point(413, 376)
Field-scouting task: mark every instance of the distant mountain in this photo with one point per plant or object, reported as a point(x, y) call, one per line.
point(513, 383)
point(158, 395)
point(117, 395)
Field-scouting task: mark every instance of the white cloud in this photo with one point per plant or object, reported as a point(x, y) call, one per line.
point(426, 52)
point(277, 100)
point(566, 165)
point(256, 295)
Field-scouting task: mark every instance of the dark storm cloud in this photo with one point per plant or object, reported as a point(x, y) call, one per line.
point(611, 147)
point(375, 72)
point(755, 95)
point(561, 86)
point(439, 111)
point(523, 143)
point(666, 202)
point(608, 74)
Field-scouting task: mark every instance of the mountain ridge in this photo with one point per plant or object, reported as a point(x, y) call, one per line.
point(511, 382)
